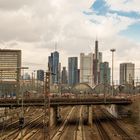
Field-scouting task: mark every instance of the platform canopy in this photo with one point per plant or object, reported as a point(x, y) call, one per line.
point(82, 88)
point(101, 88)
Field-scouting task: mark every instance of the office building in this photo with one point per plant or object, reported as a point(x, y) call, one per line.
point(86, 68)
point(72, 70)
point(10, 64)
point(127, 73)
point(78, 79)
point(59, 73)
point(53, 63)
point(104, 73)
point(40, 75)
point(100, 57)
point(64, 78)
point(10, 72)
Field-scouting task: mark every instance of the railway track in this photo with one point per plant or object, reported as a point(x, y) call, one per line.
point(120, 130)
point(71, 128)
point(75, 125)
point(16, 133)
point(80, 128)
point(32, 128)
point(101, 130)
point(13, 133)
point(8, 125)
point(53, 130)
point(61, 129)
point(57, 130)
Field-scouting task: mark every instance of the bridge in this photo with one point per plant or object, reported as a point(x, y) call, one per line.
point(64, 101)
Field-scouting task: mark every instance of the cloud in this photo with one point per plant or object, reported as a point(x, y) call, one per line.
point(7, 5)
point(18, 26)
point(35, 26)
point(124, 5)
point(103, 7)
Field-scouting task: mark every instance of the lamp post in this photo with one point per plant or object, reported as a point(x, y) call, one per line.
point(112, 50)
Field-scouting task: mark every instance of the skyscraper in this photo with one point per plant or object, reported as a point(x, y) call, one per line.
point(64, 76)
point(127, 73)
point(86, 68)
point(104, 73)
point(40, 75)
point(100, 58)
point(59, 73)
point(10, 73)
point(72, 70)
point(96, 63)
point(78, 79)
point(10, 59)
point(96, 50)
point(54, 66)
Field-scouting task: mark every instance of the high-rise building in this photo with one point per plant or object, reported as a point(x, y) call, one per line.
point(59, 73)
point(54, 67)
point(96, 64)
point(40, 75)
point(10, 64)
point(86, 69)
point(78, 79)
point(100, 58)
point(72, 70)
point(64, 79)
point(10, 72)
point(104, 73)
point(96, 50)
point(127, 73)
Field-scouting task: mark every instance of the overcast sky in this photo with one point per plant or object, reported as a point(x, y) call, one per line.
point(35, 25)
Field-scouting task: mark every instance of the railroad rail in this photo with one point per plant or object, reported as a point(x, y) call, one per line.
point(120, 130)
point(60, 131)
point(102, 132)
point(15, 132)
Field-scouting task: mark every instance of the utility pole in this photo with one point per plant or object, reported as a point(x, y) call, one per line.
point(21, 117)
point(47, 107)
point(112, 50)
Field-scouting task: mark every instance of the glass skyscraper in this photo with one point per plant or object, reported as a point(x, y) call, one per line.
point(40, 75)
point(64, 76)
point(72, 70)
point(127, 73)
point(104, 73)
point(54, 66)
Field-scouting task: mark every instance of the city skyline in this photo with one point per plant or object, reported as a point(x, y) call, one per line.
point(69, 69)
point(74, 29)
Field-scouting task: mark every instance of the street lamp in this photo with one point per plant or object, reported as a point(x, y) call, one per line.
point(112, 50)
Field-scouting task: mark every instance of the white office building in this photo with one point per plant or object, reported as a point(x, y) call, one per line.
point(86, 68)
